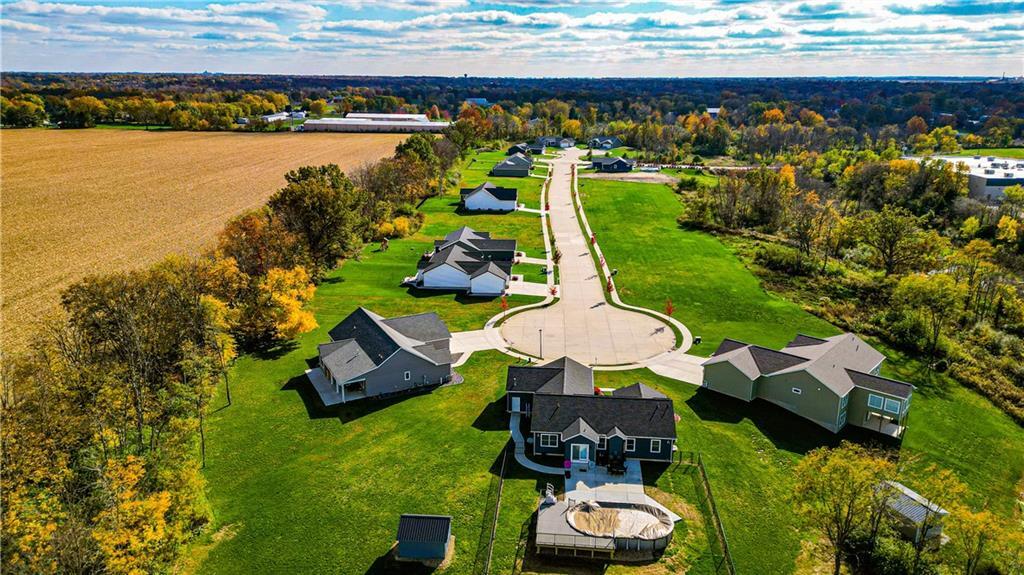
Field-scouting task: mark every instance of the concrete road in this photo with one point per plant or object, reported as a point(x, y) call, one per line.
point(581, 325)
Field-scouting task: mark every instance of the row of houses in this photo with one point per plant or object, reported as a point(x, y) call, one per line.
point(566, 417)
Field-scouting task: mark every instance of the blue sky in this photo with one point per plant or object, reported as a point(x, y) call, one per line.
point(519, 37)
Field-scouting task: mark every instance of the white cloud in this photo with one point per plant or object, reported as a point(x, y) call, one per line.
point(22, 26)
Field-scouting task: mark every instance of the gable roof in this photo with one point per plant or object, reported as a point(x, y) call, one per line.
point(911, 504)
point(468, 261)
point(609, 161)
point(364, 340)
point(635, 417)
point(500, 193)
point(638, 390)
point(471, 239)
point(489, 268)
point(562, 376)
point(840, 362)
point(516, 160)
point(580, 427)
point(424, 528)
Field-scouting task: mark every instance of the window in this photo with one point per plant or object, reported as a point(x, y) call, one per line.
point(408, 375)
point(892, 406)
point(602, 443)
point(630, 444)
point(797, 390)
point(548, 440)
point(843, 401)
point(842, 420)
point(655, 446)
point(874, 401)
point(580, 452)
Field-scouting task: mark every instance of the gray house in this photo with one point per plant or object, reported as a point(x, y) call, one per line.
point(424, 538)
point(535, 148)
point(568, 418)
point(514, 166)
point(372, 356)
point(605, 142)
point(609, 164)
point(832, 381)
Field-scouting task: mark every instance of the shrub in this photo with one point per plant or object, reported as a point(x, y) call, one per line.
point(402, 226)
point(385, 230)
point(405, 210)
point(784, 259)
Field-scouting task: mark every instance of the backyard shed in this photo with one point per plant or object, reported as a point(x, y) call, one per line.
point(423, 537)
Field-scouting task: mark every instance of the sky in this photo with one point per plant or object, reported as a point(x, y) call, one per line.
point(532, 38)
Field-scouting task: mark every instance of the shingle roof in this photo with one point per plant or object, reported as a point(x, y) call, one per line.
point(636, 417)
point(832, 361)
point(516, 160)
point(364, 340)
point(911, 504)
point(880, 384)
point(468, 261)
point(580, 427)
point(562, 376)
point(471, 239)
point(606, 160)
point(729, 345)
point(501, 193)
point(490, 268)
point(424, 528)
point(638, 390)
point(802, 340)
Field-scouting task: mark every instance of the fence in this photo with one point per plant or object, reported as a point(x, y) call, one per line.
point(489, 527)
point(726, 561)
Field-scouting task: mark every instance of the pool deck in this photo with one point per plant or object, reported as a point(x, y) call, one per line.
point(597, 484)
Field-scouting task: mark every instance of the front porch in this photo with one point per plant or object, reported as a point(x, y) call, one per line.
point(329, 394)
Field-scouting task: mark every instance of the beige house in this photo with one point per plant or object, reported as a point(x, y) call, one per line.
point(833, 381)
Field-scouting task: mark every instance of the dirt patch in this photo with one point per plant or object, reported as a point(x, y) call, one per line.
point(641, 177)
point(77, 202)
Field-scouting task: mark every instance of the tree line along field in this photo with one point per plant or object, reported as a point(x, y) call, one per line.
point(90, 201)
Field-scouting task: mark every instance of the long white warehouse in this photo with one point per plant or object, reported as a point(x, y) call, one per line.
point(367, 122)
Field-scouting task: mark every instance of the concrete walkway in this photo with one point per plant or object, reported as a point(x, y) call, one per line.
point(520, 443)
point(581, 324)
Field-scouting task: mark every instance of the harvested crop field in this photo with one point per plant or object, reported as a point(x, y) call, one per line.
point(87, 201)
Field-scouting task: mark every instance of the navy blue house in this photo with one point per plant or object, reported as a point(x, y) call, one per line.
point(568, 418)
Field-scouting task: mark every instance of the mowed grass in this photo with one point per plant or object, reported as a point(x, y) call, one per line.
point(301, 488)
point(997, 152)
point(750, 449)
point(702, 178)
point(77, 202)
point(635, 224)
point(477, 170)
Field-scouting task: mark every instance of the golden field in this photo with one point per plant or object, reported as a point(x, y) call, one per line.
point(78, 202)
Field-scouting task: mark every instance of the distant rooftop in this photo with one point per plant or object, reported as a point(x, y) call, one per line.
point(987, 166)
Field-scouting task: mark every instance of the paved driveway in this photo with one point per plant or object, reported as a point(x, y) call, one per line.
point(581, 325)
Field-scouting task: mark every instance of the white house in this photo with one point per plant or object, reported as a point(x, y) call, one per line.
point(278, 117)
point(467, 260)
point(489, 198)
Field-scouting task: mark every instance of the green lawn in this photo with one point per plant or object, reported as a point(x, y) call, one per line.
point(713, 295)
point(297, 488)
point(443, 217)
point(476, 170)
point(997, 152)
point(749, 449)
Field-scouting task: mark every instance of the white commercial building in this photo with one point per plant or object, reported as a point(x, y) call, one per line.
point(372, 122)
point(988, 176)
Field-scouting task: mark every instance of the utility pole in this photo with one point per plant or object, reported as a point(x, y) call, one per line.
point(540, 335)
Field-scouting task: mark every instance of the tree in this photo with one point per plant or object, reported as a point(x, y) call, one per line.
point(833, 493)
point(971, 536)
point(316, 205)
point(84, 111)
point(969, 228)
point(943, 490)
point(259, 241)
point(317, 107)
point(1007, 229)
point(936, 297)
point(896, 236)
